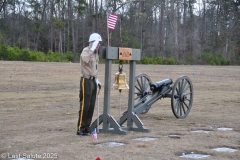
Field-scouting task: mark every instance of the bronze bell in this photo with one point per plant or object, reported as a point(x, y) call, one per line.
point(120, 81)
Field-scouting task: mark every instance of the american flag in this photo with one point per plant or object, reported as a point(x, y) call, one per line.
point(112, 20)
point(94, 134)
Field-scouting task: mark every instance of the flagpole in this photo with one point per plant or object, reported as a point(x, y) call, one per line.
point(107, 28)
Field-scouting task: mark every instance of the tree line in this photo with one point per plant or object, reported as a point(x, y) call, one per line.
point(190, 31)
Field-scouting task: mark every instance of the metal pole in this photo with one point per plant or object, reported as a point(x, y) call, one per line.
point(98, 112)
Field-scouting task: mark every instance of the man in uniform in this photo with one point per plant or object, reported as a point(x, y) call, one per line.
point(88, 83)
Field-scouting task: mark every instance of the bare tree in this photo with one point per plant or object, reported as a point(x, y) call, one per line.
point(162, 29)
point(185, 30)
point(2, 4)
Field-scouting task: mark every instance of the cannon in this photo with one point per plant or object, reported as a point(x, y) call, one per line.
point(147, 93)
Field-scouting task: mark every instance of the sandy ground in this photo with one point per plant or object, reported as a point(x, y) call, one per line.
point(39, 112)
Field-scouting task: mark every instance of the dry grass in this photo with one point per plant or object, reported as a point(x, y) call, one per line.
point(39, 112)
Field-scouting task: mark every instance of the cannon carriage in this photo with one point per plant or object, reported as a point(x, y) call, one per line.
point(147, 93)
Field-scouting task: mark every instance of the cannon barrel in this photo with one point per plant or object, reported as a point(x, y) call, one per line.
point(158, 85)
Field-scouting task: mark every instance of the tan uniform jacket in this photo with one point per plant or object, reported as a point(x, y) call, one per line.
point(88, 63)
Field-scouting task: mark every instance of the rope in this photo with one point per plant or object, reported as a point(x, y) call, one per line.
point(120, 103)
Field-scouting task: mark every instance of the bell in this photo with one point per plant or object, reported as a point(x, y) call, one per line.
point(120, 81)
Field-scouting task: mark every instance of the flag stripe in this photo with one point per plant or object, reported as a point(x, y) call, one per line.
point(112, 20)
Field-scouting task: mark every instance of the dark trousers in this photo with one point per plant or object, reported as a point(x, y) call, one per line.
point(87, 96)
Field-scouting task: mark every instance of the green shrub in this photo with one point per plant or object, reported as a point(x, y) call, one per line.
point(3, 53)
point(117, 61)
point(68, 56)
point(157, 60)
point(227, 62)
point(25, 55)
point(143, 60)
point(15, 53)
point(1, 47)
point(208, 58)
point(213, 63)
point(164, 60)
point(171, 61)
point(189, 60)
point(146, 60)
point(11, 54)
point(219, 60)
point(33, 57)
point(53, 57)
point(41, 57)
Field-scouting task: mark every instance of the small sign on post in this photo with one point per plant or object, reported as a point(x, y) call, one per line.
point(125, 53)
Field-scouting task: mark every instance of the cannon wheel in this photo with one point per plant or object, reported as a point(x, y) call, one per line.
point(142, 86)
point(182, 97)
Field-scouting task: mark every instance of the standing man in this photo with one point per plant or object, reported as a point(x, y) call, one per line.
point(88, 83)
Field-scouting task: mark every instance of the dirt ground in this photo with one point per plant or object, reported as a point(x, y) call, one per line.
point(39, 112)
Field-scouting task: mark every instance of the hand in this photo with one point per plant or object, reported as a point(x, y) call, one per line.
point(98, 83)
point(98, 46)
point(94, 45)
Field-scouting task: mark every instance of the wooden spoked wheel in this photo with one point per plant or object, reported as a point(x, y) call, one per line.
point(182, 97)
point(142, 87)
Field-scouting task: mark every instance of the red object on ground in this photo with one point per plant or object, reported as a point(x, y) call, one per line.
point(98, 158)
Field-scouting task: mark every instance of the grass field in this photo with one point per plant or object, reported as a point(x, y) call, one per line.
point(39, 111)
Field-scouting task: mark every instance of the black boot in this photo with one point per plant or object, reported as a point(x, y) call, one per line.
point(82, 132)
point(87, 130)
